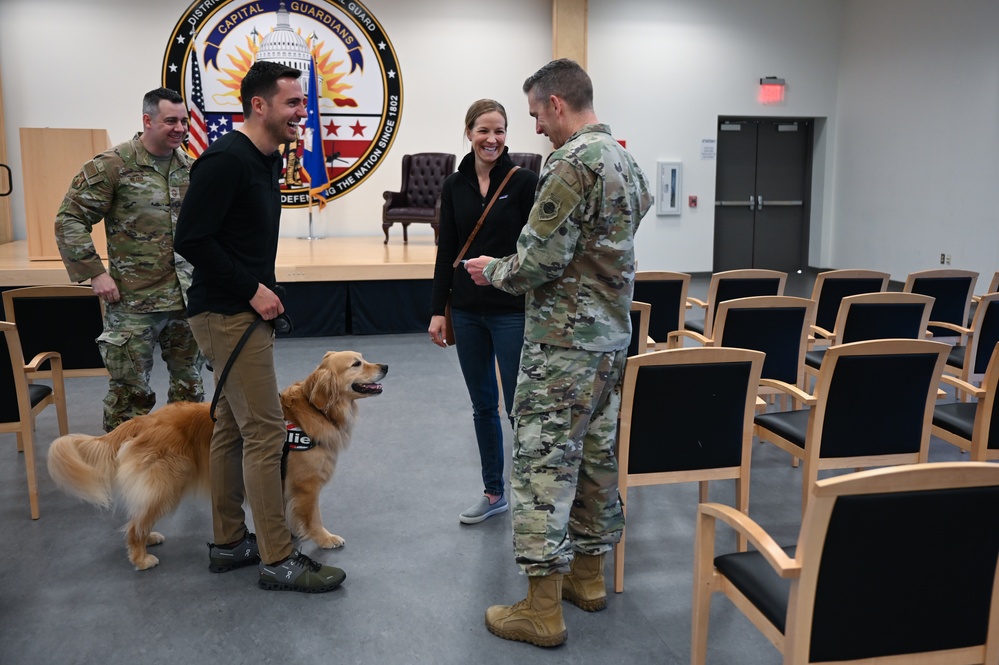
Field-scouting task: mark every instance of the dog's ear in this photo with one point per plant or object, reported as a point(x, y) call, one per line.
point(320, 388)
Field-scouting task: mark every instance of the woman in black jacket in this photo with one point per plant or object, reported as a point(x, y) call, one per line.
point(488, 323)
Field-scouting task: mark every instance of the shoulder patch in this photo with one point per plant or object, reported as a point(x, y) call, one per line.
point(556, 201)
point(93, 172)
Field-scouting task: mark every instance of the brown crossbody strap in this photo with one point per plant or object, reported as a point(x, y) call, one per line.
point(478, 224)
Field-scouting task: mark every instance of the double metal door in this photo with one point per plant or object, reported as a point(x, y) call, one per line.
point(762, 184)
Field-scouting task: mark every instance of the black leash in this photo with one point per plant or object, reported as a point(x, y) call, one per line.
point(228, 366)
point(282, 324)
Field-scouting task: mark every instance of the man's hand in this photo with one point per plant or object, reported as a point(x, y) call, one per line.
point(266, 303)
point(105, 288)
point(475, 268)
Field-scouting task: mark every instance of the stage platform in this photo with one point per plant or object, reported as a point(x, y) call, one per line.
point(335, 286)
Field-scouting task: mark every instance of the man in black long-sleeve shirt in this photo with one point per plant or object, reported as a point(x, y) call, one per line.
point(228, 230)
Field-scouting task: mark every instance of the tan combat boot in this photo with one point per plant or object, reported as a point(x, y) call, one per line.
point(537, 619)
point(584, 585)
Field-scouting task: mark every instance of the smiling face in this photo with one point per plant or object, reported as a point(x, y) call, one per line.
point(164, 132)
point(488, 137)
point(284, 111)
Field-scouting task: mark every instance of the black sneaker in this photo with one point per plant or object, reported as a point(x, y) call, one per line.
point(243, 553)
point(300, 573)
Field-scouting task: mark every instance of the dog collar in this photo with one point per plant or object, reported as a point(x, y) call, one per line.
point(296, 439)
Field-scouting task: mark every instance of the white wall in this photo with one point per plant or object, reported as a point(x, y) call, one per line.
point(664, 71)
point(67, 63)
point(917, 168)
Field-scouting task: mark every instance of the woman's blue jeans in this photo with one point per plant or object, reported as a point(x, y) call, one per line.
point(481, 338)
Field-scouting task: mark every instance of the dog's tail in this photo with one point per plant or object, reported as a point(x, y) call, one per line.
point(85, 466)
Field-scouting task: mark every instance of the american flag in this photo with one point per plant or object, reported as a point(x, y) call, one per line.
point(218, 125)
point(197, 138)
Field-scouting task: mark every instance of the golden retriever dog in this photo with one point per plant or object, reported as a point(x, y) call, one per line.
point(149, 463)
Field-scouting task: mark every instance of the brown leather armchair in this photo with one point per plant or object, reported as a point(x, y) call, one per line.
point(527, 160)
point(419, 198)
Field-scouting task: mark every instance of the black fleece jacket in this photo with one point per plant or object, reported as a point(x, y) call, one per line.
point(461, 206)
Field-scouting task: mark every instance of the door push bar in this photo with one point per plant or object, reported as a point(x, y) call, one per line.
point(756, 203)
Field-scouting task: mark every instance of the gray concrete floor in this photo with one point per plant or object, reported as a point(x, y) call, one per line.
point(418, 582)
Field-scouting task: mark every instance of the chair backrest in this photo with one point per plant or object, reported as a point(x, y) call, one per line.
point(667, 293)
point(10, 354)
point(988, 411)
point(527, 160)
point(776, 325)
point(688, 409)
point(994, 284)
point(882, 316)
point(891, 422)
point(731, 284)
point(832, 286)
point(423, 175)
point(951, 290)
point(640, 313)
point(895, 561)
point(986, 334)
point(66, 319)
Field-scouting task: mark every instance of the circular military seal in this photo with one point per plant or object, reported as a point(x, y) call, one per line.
point(346, 59)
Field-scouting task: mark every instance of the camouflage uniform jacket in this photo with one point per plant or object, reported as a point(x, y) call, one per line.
point(576, 257)
point(140, 208)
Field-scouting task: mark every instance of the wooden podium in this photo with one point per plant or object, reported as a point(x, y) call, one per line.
point(50, 158)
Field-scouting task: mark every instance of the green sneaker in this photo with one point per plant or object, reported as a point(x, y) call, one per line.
point(243, 553)
point(300, 573)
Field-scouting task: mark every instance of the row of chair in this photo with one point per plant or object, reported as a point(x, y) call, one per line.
point(34, 346)
point(705, 399)
point(813, 601)
point(952, 290)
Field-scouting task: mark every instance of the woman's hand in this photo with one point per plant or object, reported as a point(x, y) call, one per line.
point(437, 331)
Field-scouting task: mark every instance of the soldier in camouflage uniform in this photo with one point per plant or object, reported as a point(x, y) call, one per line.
point(137, 188)
point(575, 261)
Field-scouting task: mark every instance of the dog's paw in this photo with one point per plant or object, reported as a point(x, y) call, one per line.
point(155, 538)
point(146, 562)
point(329, 541)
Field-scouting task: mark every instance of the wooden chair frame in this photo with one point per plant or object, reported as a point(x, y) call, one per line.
point(711, 305)
point(58, 291)
point(810, 455)
point(965, 372)
point(644, 310)
point(842, 318)
point(993, 287)
point(978, 445)
point(910, 281)
point(740, 473)
point(25, 426)
point(683, 304)
point(803, 570)
point(842, 275)
point(757, 302)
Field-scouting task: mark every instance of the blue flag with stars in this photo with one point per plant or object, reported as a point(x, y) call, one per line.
point(314, 157)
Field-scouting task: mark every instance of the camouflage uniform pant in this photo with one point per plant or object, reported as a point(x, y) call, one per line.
point(564, 478)
point(126, 346)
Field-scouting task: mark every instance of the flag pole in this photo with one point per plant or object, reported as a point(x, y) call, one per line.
point(310, 236)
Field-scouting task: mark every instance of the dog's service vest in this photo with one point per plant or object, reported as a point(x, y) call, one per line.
point(295, 440)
